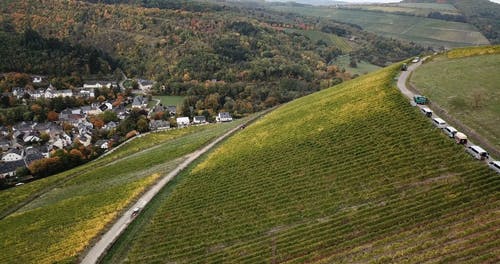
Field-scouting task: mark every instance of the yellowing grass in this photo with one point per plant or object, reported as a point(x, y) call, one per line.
point(60, 224)
point(473, 51)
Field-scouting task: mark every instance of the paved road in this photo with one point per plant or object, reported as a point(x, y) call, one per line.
point(107, 240)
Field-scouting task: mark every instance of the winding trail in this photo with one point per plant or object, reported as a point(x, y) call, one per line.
point(98, 250)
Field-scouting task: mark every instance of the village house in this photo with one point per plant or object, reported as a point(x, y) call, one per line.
point(97, 85)
point(182, 121)
point(102, 143)
point(155, 125)
point(224, 117)
point(8, 169)
point(172, 110)
point(86, 93)
point(199, 120)
point(145, 85)
point(37, 79)
point(13, 155)
point(140, 102)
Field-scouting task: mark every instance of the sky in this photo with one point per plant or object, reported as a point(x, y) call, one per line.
point(389, 1)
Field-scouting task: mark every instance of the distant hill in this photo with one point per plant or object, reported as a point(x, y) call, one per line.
point(349, 174)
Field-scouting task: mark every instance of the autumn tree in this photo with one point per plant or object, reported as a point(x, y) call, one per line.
point(52, 116)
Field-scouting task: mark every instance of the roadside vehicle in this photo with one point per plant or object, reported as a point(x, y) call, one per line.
point(450, 131)
point(495, 165)
point(438, 122)
point(460, 138)
point(135, 212)
point(416, 59)
point(427, 112)
point(477, 152)
point(404, 67)
point(420, 99)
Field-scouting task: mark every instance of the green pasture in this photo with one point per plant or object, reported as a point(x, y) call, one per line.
point(467, 88)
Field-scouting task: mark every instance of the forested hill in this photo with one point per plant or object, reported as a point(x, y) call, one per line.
point(223, 56)
point(31, 53)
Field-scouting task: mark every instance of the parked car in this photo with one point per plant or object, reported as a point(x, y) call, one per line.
point(404, 67)
point(460, 138)
point(439, 122)
point(136, 211)
point(427, 112)
point(450, 131)
point(495, 165)
point(420, 99)
point(416, 59)
point(477, 152)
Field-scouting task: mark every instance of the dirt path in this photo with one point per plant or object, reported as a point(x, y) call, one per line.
point(98, 250)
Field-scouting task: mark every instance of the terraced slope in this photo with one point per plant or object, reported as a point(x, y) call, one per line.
point(421, 30)
point(77, 205)
point(349, 174)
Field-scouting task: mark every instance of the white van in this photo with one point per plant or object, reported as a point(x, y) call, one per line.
point(450, 131)
point(477, 152)
point(427, 112)
point(439, 122)
point(495, 165)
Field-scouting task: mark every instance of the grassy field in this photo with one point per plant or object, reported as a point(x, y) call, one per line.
point(78, 204)
point(170, 100)
point(363, 66)
point(420, 9)
point(351, 174)
point(467, 87)
point(425, 31)
point(330, 39)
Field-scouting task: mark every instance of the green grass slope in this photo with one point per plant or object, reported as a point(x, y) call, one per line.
point(466, 86)
point(77, 205)
point(349, 174)
point(421, 30)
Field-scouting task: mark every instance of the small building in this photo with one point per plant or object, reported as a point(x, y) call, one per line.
point(145, 85)
point(37, 79)
point(97, 85)
point(171, 109)
point(106, 106)
point(182, 121)
point(158, 125)
point(8, 169)
point(199, 120)
point(224, 117)
point(140, 102)
point(32, 154)
point(102, 143)
point(13, 155)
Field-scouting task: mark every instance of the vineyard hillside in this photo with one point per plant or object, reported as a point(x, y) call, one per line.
point(349, 174)
point(65, 213)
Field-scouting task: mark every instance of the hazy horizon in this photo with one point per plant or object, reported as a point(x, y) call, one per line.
point(375, 1)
